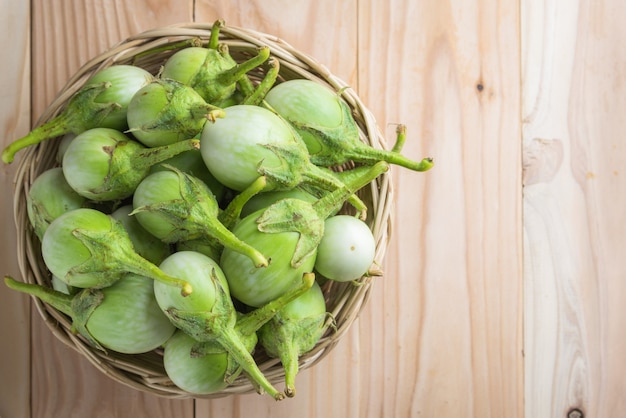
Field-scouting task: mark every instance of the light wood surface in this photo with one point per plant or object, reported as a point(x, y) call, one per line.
point(504, 278)
point(15, 102)
point(574, 220)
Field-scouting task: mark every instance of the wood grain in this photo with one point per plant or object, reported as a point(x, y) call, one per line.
point(574, 220)
point(327, 31)
point(14, 121)
point(64, 384)
point(67, 33)
point(447, 326)
point(383, 350)
point(503, 286)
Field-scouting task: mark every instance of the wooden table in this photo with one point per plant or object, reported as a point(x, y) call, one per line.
point(505, 277)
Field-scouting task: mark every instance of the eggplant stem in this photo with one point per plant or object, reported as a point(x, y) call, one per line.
point(58, 126)
point(98, 244)
point(57, 300)
point(366, 154)
point(193, 42)
point(226, 238)
point(319, 177)
point(148, 157)
point(289, 359)
point(251, 322)
point(230, 340)
point(255, 96)
point(231, 214)
point(328, 204)
point(215, 114)
point(400, 138)
point(145, 268)
point(239, 71)
point(206, 111)
point(215, 34)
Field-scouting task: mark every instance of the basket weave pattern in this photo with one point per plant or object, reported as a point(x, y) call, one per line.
point(344, 300)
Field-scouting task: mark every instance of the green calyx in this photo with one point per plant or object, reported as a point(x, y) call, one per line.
point(216, 80)
point(113, 256)
point(207, 80)
point(294, 215)
point(166, 110)
point(334, 146)
point(78, 307)
point(252, 321)
point(306, 218)
point(294, 331)
point(207, 326)
point(83, 304)
point(233, 369)
point(328, 145)
point(196, 216)
point(293, 166)
point(222, 327)
point(190, 213)
point(212, 71)
point(130, 162)
point(296, 169)
point(81, 113)
point(49, 197)
point(287, 339)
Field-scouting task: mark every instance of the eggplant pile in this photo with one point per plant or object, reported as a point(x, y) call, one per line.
point(196, 210)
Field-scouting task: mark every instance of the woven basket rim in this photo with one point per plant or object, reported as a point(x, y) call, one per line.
point(143, 372)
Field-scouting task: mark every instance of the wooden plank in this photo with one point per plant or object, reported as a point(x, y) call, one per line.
point(573, 103)
point(326, 31)
point(14, 122)
point(65, 35)
point(442, 337)
point(409, 354)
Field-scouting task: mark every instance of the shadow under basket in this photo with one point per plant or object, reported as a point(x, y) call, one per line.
point(145, 372)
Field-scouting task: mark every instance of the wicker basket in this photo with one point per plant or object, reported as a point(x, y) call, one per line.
point(344, 300)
